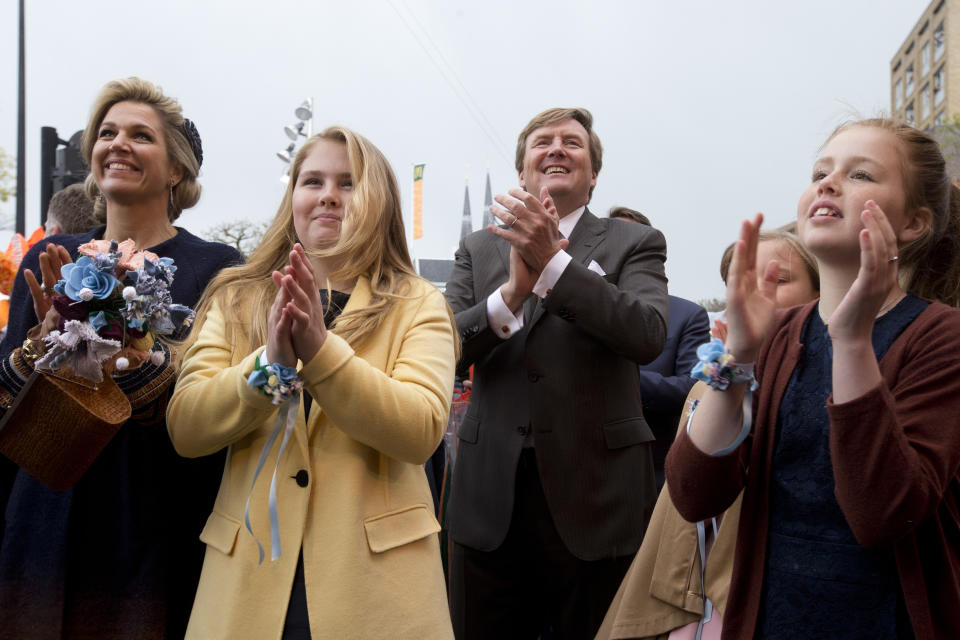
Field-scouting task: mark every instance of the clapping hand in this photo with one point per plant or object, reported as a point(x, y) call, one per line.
point(279, 342)
point(854, 317)
point(532, 226)
point(304, 306)
point(750, 295)
point(719, 330)
point(532, 243)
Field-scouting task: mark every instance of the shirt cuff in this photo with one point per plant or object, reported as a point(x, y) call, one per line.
point(551, 273)
point(503, 321)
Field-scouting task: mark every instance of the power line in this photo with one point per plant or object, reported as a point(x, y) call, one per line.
point(456, 77)
point(468, 102)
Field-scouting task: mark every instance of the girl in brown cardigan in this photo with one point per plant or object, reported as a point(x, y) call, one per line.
point(850, 520)
point(674, 590)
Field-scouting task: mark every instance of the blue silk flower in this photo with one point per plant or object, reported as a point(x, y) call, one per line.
point(84, 274)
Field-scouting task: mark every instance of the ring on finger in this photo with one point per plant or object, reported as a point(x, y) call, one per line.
point(47, 290)
point(515, 218)
point(894, 259)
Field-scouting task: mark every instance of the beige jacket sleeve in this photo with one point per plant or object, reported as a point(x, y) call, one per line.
point(400, 408)
point(402, 411)
point(212, 406)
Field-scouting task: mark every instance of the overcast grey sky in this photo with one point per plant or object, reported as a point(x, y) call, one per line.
point(708, 111)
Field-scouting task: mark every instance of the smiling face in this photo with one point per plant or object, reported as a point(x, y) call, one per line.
point(129, 161)
point(557, 156)
point(322, 191)
point(858, 164)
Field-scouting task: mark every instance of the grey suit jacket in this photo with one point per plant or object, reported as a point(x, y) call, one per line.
point(571, 376)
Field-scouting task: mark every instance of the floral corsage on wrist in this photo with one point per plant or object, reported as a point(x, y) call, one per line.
point(717, 368)
point(113, 302)
point(275, 380)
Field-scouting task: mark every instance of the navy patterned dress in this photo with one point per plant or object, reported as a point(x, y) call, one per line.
point(118, 555)
point(818, 581)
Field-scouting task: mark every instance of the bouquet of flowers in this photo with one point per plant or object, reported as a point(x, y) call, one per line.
point(113, 302)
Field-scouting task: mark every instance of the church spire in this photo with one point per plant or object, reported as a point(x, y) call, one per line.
point(466, 224)
point(488, 218)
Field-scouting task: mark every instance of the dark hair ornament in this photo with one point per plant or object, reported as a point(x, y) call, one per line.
point(193, 137)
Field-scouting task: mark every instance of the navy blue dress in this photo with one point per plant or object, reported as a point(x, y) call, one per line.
point(117, 556)
point(818, 581)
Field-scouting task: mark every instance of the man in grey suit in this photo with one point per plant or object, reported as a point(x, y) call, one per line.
point(553, 485)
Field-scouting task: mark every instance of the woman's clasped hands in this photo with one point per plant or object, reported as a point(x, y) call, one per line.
point(295, 326)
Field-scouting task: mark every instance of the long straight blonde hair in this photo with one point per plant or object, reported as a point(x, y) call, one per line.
point(372, 244)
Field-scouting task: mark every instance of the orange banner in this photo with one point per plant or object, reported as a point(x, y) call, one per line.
point(418, 201)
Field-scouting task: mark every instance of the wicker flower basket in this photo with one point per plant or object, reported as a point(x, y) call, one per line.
point(59, 424)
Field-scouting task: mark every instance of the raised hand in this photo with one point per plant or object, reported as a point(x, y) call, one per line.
point(719, 330)
point(51, 261)
point(750, 295)
point(279, 343)
point(876, 281)
point(532, 226)
point(305, 307)
point(523, 275)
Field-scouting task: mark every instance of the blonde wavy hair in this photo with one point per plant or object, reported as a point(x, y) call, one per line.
point(372, 244)
point(187, 192)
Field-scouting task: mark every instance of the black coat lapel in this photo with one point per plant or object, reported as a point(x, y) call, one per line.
point(585, 237)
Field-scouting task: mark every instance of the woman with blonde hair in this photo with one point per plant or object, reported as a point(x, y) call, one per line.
point(324, 524)
point(116, 555)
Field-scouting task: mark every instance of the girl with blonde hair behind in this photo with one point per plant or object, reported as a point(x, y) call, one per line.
point(323, 488)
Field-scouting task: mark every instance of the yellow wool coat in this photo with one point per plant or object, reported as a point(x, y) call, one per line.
point(365, 519)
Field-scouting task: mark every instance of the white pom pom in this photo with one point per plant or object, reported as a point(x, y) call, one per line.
point(129, 293)
point(157, 358)
point(122, 364)
point(86, 294)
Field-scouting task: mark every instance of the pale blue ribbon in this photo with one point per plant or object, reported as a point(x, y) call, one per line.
point(287, 416)
point(747, 408)
point(702, 548)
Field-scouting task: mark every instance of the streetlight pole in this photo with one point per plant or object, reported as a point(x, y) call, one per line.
point(21, 219)
point(304, 115)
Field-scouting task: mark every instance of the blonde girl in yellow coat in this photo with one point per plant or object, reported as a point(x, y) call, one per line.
point(323, 526)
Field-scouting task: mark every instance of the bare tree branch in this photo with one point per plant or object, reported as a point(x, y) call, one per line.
point(244, 235)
